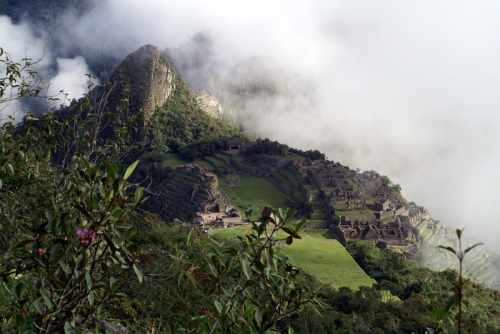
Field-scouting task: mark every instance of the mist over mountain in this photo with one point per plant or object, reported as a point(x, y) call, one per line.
point(408, 90)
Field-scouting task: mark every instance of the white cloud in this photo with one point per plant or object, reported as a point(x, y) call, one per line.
point(20, 42)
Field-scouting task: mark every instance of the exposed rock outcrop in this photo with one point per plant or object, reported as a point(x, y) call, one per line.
point(145, 80)
point(210, 104)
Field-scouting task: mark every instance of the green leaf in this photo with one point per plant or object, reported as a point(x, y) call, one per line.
point(98, 286)
point(64, 266)
point(471, 247)
point(281, 213)
point(84, 176)
point(115, 286)
point(289, 240)
point(38, 306)
point(55, 249)
point(130, 232)
point(84, 211)
point(118, 184)
point(91, 297)
point(79, 261)
point(109, 170)
point(213, 270)
point(138, 194)
point(130, 170)
point(135, 248)
point(291, 232)
point(87, 165)
point(49, 216)
point(192, 279)
point(88, 279)
point(68, 329)
point(449, 249)
point(138, 273)
point(300, 224)
point(259, 265)
point(110, 243)
point(246, 268)
point(189, 238)
point(48, 303)
point(218, 306)
point(102, 191)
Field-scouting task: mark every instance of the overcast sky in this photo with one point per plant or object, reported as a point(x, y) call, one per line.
point(407, 88)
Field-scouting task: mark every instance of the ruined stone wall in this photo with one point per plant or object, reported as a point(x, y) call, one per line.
point(292, 195)
point(317, 224)
point(404, 219)
point(291, 204)
point(283, 174)
point(422, 226)
point(245, 169)
point(356, 212)
point(401, 211)
point(337, 233)
point(385, 214)
point(267, 167)
point(355, 217)
point(231, 219)
point(316, 231)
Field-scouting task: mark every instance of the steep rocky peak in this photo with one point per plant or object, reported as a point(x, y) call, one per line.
point(145, 79)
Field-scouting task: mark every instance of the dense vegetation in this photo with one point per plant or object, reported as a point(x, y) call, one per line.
point(406, 280)
point(42, 12)
point(181, 122)
point(266, 146)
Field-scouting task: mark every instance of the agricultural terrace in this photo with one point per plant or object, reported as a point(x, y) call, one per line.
point(256, 190)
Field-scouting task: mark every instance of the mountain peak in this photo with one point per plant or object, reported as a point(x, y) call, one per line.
point(145, 79)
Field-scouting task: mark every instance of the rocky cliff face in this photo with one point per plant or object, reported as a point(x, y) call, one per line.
point(209, 104)
point(145, 79)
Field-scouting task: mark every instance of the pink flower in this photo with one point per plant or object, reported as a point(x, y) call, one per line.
point(41, 251)
point(85, 236)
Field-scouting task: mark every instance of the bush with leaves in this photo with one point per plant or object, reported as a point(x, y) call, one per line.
point(63, 240)
point(75, 255)
point(238, 286)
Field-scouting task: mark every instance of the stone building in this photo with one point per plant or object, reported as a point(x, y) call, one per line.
point(232, 145)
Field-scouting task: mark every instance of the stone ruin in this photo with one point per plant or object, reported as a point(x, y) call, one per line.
point(191, 190)
point(394, 224)
point(388, 220)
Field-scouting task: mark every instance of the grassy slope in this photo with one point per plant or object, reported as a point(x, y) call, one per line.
point(325, 259)
point(328, 261)
point(173, 161)
point(257, 190)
